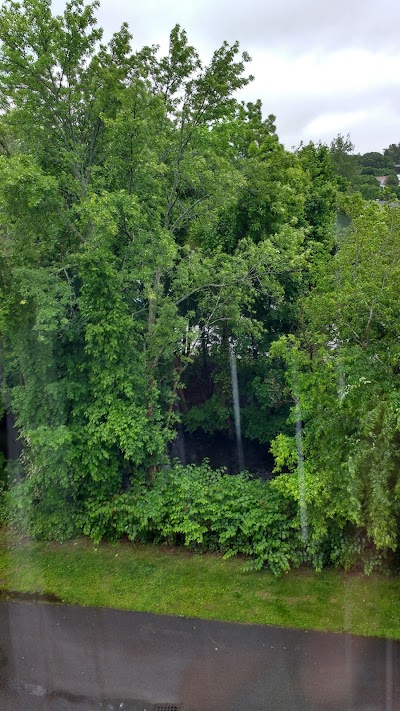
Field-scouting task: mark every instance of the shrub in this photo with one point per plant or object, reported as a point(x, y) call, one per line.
point(208, 510)
point(48, 518)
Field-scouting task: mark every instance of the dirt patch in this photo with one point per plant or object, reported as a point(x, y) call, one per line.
point(300, 599)
point(272, 597)
point(266, 595)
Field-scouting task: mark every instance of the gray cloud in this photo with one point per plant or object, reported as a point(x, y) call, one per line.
point(293, 113)
point(288, 25)
point(371, 125)
point(285, 25)
point(378, 124)
point(297, 27)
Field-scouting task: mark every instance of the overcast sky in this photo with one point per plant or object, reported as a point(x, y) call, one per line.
point(323, 67)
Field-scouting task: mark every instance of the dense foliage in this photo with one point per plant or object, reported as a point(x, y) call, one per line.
point(344, 370)
point(150, 226)
point(207, 509)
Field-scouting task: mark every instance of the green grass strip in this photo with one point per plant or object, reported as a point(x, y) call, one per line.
point(175, 582)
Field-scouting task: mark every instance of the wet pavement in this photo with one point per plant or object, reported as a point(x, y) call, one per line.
point(55, 658)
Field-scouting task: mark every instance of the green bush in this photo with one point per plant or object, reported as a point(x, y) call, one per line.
point(53, 517)
point(205, 510)
point(210, 510)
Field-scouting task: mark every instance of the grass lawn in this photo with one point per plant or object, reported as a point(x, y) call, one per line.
point(175, 582)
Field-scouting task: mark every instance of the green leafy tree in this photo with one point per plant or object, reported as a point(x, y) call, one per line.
point(115, 167)
point(374, 159)
point(345, 162)
point(393, 152)
point(321, 194)
point(344, 373)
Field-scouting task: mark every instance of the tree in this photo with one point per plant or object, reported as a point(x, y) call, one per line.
point(393, 153)
point(116, 169)
point(346, 164)
point(377, 160)
point(392, 181)
point(321, 195)
point(344, 370)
